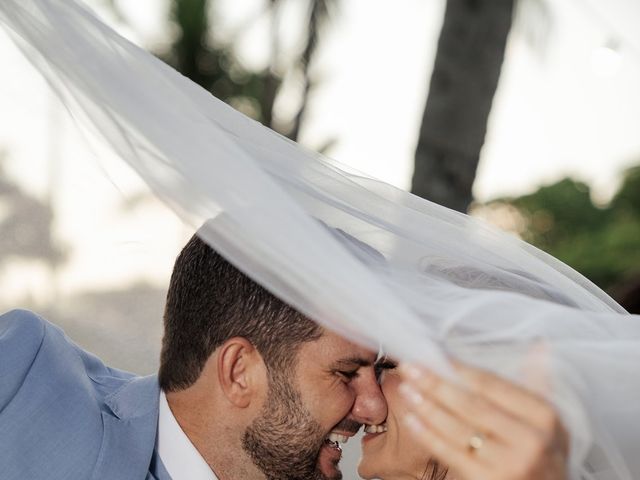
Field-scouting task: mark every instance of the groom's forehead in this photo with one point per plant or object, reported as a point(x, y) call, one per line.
point(340, 352)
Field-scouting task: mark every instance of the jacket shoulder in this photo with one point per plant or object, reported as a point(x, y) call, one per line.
point(20, 323)
point(21, 336)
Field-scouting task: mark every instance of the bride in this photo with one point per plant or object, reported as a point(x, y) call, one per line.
point(427, 283)
point(438, 430)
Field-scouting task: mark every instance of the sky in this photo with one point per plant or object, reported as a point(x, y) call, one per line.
point(572, 108)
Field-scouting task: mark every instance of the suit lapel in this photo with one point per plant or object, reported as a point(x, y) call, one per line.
point(130, 425)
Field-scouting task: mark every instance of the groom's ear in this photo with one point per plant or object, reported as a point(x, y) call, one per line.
point(241, 372)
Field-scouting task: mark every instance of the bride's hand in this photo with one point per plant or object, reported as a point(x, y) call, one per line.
point(488, 429)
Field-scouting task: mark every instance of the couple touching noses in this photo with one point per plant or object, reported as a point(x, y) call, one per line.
point(273, 394)
point(248, 388)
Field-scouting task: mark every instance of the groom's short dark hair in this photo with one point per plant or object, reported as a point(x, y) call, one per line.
point(209, 301)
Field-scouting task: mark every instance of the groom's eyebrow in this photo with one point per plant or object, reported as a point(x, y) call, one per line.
point(351, 362)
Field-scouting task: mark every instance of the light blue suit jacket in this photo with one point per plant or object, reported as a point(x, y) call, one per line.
point(65, 415)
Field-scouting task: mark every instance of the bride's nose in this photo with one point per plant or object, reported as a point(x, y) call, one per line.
point(370, 406)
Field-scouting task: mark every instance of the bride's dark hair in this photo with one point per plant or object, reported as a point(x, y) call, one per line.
point(434, 471)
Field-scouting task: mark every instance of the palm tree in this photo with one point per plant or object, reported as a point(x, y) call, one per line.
point(214, 66)
point(465, 76)
point(319, 12)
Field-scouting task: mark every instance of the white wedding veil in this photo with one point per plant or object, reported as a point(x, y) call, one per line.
point(367, 260)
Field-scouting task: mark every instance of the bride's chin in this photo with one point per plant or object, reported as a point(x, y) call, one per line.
point(373, 453)
point(364, 473)
point(366, 469)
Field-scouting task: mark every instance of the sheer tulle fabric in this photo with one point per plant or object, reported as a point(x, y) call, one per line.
point(374, 263)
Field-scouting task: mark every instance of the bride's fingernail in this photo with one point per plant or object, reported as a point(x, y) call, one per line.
point(410, 394)
point(410, 371)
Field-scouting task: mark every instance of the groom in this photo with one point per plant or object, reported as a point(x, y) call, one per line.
point(248, 388)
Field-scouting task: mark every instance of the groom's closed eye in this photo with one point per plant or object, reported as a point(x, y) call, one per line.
point(349, 375)
point(349, 368)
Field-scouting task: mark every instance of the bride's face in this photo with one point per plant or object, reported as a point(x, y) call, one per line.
point(391, 454)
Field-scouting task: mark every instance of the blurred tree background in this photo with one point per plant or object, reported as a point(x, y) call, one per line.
point(210, 61)
point(463, 83)
point(601, 242)
point(561, 219)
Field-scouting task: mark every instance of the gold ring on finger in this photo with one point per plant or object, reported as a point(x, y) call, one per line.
point(476, 441)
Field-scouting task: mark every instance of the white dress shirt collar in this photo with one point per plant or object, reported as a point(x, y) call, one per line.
point(178, 455)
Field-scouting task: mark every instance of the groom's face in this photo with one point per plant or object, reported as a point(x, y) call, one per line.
point(330, 392)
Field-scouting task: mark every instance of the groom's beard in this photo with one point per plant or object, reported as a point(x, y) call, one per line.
point(285, 440)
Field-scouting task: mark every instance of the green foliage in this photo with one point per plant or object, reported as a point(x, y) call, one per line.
point(211, 62)
point(601, 243)
point(627, 200)
point(558, 212)
point(214, 66)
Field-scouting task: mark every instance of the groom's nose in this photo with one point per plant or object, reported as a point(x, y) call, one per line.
point(369, 406)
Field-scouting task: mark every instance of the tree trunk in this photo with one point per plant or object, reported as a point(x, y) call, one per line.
point(318, 15)
point(464, 80)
